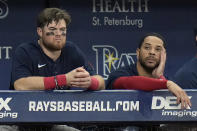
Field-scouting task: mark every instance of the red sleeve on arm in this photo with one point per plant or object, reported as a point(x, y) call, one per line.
point(139, 83)
point(162, 77)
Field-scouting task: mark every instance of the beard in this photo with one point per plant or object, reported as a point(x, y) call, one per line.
point(146, 67)
point(53, 46)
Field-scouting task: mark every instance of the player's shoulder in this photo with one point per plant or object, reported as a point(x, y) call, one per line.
point(28, 46)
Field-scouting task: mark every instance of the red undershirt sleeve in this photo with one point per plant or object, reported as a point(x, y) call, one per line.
point(140, 83)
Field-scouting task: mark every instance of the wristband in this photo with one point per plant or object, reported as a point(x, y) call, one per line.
point(55, 79)
point(49, 83)
point(61, 81)
point(94, 84)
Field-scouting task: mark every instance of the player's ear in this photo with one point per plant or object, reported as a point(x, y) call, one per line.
point(138, 53)
point(39, 31)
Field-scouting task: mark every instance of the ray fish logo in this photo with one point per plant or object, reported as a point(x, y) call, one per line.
point(4, 10)
point(108, 59)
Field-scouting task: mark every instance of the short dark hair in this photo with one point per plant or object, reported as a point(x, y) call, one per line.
point(52, 14)
point(152, 34)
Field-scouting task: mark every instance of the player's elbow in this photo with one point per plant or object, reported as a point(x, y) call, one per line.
point(19, 84)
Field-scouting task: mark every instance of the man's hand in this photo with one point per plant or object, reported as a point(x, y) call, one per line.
point(159, 71)
point(78, 77)
point(179, 93)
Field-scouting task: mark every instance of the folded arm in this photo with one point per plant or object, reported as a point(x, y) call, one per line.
point(139, 83)
point(149, 84)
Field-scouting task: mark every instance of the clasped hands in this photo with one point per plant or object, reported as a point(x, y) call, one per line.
point(78, 77)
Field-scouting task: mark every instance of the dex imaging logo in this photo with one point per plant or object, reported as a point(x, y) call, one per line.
point(168, 102)
point(4, 10)
point(169, 108)
point(5, 110)
point(4, 104)
point(109, 59)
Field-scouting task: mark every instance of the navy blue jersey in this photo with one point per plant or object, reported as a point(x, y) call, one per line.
point(186, 76)
point(30, 60)
point(130, 70)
